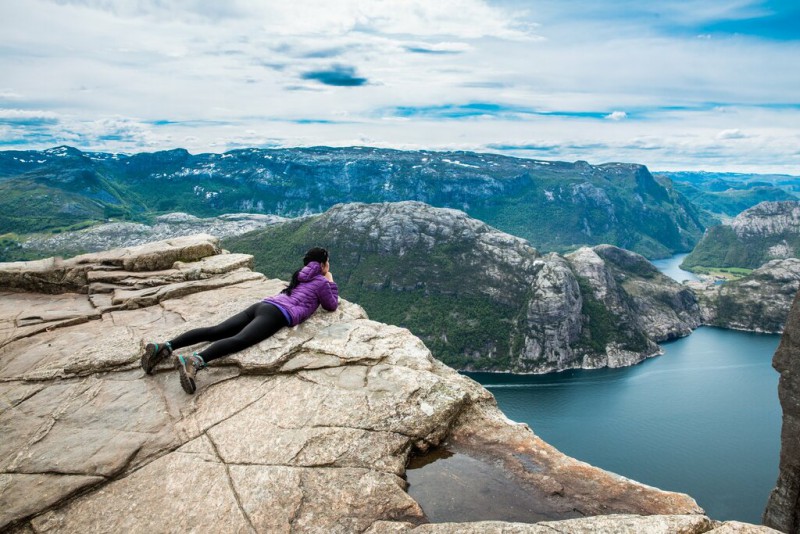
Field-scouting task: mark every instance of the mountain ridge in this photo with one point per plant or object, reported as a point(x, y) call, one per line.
point(555, 205)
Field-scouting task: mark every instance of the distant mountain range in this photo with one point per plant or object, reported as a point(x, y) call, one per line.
point(554, 205)
point(727, 194)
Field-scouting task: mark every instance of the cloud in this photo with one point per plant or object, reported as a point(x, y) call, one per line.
point(27, 116)
point(731, 134)
point(617, 115)
point(471, 74)
point(336, 75)
point(464, 18)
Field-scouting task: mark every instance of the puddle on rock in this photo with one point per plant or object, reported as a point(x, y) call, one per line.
point(451, 486)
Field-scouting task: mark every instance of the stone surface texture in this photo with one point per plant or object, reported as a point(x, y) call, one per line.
point(125, 234)
point(309, 431)
point(758, 302)
point(783, 507)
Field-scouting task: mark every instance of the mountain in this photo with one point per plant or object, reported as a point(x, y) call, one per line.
point(480, 298)
point(727, 194)
point(554, 205)
point(308, 431)
point(757, 302)
point(770, 230)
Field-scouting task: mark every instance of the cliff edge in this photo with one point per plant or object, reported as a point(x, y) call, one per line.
point(783, 508)
point(309, 431)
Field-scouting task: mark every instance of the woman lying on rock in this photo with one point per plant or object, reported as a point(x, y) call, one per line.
point(310, 286)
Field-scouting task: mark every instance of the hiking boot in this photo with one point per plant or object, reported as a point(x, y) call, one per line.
point(187, 369)
point(154, 353)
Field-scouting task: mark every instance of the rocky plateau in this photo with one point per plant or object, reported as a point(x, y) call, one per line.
point(309, 431)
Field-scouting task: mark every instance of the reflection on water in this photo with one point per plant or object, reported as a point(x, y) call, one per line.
point(455, 487)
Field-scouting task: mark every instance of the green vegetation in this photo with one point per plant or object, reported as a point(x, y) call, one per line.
point(722, 272)
point(733, 201)
point(424, 290)
point(722, 248)
point(556, 206)
point(603, 327)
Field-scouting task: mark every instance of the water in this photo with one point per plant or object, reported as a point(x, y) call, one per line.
point(702, 419)
point(670, 267)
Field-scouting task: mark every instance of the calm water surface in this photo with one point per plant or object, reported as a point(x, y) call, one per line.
point(703, 419)
point(670, 267)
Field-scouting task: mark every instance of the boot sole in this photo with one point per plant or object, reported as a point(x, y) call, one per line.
point(187, 383)
point(150, 351)
point(150, 358)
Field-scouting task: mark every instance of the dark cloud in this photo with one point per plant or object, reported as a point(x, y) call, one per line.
point(337, 75)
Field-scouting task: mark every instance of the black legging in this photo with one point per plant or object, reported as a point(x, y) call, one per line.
point(245, 329)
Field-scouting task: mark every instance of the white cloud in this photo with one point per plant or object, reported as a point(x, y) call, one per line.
point(206, 75)
point(462, 18)
point(27, 114)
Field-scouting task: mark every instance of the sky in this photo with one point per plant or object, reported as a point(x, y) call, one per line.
point(676, 85)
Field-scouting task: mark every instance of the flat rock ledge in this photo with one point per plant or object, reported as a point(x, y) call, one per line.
point(309, 431)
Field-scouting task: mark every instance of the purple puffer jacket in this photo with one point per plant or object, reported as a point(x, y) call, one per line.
point(313, 290)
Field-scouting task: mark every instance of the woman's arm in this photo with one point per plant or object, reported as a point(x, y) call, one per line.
point(328, 293)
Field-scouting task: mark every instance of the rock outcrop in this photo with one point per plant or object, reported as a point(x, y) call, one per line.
point(482, 299)
point(783, 508)
point(309, 431)
point(128, 234)
point(767, 231)
point(758, 302)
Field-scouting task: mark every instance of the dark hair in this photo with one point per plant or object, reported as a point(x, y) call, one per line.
point(317, 254)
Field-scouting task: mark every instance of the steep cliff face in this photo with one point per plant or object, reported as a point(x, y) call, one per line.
point(309, 431)
point(758, 302)
point(770, 230)
point(483, 299)
point(783, 508)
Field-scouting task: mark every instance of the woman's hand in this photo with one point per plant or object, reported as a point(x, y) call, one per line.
point(329, 276)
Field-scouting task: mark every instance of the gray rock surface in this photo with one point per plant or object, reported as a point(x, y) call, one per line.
point(308, 431)
point(767, 231)
point(758, 302)
point(127, 234)
point(783, 508)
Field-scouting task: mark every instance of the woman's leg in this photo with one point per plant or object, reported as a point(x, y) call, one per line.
point(229, 327)
point(266, 321)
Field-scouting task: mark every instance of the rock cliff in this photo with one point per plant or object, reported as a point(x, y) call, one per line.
point(309, 431)
point(484, 299)
point(758, 302)
point(783, 508)
point(767, 231)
